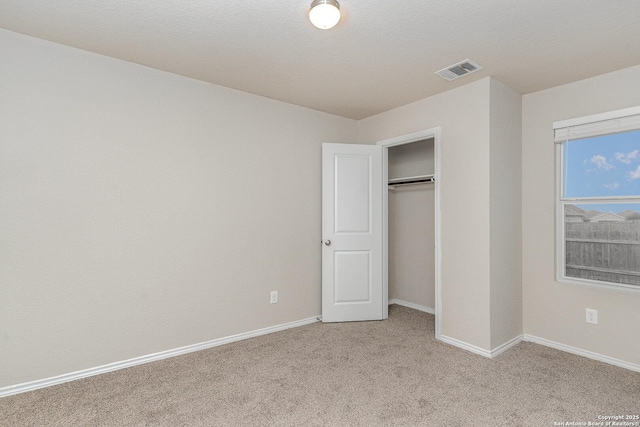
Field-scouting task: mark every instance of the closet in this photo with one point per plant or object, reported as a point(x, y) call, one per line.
point(411, 224)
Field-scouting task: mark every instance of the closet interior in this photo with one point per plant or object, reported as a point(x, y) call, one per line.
point(411, 224)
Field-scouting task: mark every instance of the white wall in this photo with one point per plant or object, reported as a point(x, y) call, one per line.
point(479, 205)
point(411, 222)
point(552, 310)
point(143, 211)
point(506, 214)
point(463, 115)
point(411, 245)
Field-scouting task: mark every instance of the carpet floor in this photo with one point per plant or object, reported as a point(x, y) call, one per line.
point(389, 373)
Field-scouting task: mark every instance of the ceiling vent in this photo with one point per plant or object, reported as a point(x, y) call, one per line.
point(460, 69)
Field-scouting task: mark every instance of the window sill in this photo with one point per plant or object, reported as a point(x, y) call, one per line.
point(600, 285)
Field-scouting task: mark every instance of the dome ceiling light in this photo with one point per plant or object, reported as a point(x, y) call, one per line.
point(324, 14)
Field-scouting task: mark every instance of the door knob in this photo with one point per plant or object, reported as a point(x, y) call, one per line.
point(327, 242)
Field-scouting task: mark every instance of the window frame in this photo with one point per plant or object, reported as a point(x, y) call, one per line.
point(560, 201)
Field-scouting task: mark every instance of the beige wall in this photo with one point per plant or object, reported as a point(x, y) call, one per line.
point(463, 115)
point(411, 245)
point(143, 211)
point(552, 310)
point(506, 214)
point(480, 177)
point(411, 235)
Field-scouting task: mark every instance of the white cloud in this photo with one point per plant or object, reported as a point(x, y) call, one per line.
point(628, 157)
point(601, 162)
point(634, 174)
point(611, 186)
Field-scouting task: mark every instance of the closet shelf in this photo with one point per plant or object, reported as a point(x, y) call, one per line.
point(411, 180)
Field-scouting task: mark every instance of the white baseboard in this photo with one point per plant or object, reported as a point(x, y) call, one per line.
point(481, 351)
point(516, 340)
point(581, 352)
point(506, 346)
point(461, 344)
point(412, 305)
point(33, 385)
point(466, 346)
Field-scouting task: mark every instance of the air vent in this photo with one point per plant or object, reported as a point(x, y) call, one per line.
point(460, 69)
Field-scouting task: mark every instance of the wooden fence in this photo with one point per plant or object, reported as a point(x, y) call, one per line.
point(606, 251)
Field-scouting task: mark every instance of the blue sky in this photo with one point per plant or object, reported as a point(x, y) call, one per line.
point(604, 166)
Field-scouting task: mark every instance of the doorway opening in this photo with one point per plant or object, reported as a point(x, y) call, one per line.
point(411, 222)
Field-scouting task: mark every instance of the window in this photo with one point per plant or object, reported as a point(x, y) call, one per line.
point(598, 200)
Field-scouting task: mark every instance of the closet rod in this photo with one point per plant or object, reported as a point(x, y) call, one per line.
point(415, 181)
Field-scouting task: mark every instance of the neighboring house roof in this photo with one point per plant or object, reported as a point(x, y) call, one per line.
point(574, 214)
point(592, 214)
point(572, 210)
point(607, 216)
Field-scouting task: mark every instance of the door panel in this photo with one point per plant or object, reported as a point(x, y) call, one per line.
point(352, 277)
point(352, 183)
point(352, 233)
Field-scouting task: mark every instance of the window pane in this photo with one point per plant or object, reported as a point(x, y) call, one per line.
point(604, 166)
point(602, 242)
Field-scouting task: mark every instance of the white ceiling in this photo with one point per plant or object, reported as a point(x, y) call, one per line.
point(381, 55)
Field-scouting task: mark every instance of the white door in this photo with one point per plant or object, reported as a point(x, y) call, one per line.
point(352, 233)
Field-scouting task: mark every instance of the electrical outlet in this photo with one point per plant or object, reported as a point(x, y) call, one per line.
point(274, 297)
point(592, 316)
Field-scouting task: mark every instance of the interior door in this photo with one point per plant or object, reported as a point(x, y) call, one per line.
point(352, 287)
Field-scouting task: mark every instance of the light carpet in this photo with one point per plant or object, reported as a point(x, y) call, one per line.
point(388, 373)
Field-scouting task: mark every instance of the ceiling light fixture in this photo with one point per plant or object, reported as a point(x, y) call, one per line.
point(324, 14)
